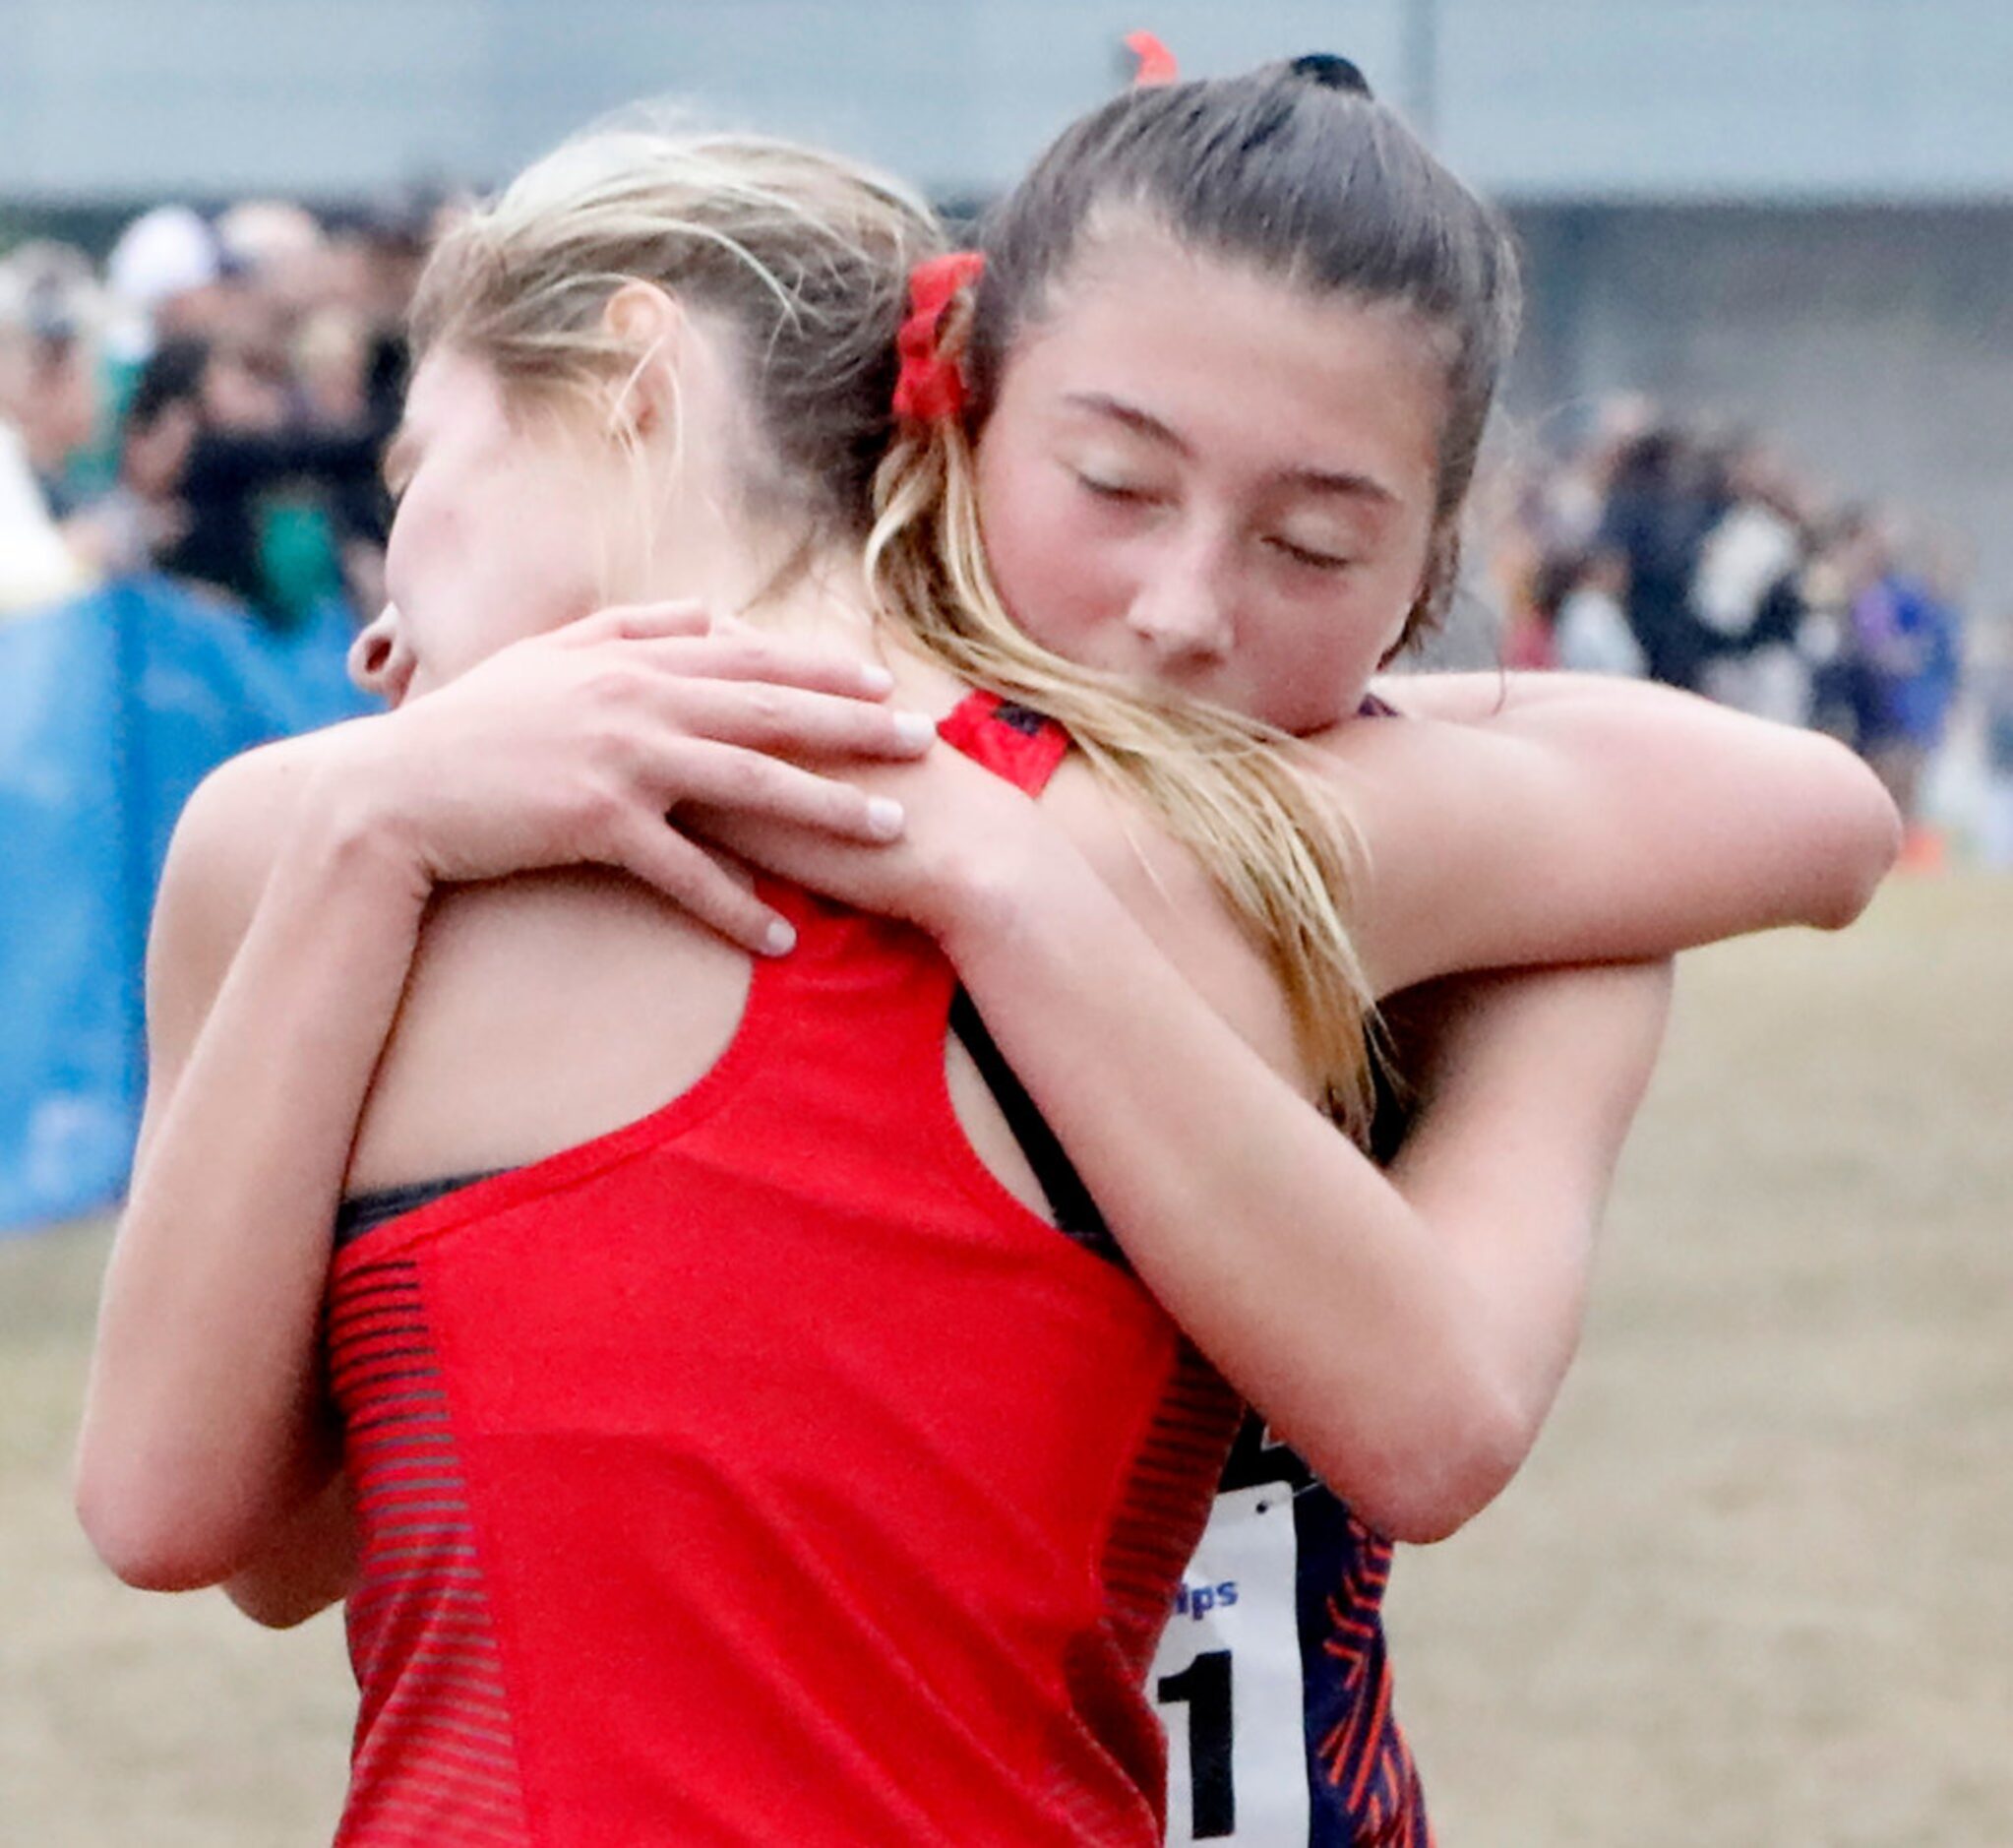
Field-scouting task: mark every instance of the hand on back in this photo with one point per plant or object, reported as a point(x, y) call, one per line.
point(578, 746)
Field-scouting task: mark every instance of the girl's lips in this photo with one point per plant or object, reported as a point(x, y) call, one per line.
point(395, 693)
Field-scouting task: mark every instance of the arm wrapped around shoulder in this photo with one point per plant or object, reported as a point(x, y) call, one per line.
point(280, 946)
point(1599, 822)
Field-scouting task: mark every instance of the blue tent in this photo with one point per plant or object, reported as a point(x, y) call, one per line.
point(112, 709)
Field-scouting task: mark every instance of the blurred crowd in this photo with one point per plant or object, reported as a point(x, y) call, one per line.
point(1707, 560)
point(212, 402)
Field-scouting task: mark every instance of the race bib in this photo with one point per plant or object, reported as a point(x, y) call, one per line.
point(1227, 1679)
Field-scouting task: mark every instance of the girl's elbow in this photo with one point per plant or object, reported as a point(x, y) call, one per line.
point(1417, 1512)
point(1420, 1513)
point(277, 1605)
point(1877, 843)
point(1859, 841)
point(1416, 1524)
point(145, 1540)
point(1429, 1489)
point(144, 1555)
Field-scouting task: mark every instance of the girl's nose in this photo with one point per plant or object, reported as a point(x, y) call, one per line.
point(1182, 616)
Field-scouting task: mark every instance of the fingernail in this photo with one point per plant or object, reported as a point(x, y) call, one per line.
point(884, 817)
point(877, 679)
point(914, 729)
point(779, 938)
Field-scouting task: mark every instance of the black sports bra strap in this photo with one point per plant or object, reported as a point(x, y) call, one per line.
point(1077, 1213)
point(361, 1212)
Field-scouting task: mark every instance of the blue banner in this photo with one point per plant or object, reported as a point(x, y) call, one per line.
point(112, 709)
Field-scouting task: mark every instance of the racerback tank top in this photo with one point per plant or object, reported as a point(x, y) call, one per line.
point(762, 1471)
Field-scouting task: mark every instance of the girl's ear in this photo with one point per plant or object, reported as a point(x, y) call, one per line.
point(647, 322)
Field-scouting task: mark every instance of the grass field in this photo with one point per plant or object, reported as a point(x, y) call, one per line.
point(1756, 1587)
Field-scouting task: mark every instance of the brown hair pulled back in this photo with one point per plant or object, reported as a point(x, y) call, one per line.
point(1322, 188)
point(1311, 182)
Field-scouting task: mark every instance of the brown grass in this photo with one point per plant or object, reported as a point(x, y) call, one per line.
point(1756, 1587)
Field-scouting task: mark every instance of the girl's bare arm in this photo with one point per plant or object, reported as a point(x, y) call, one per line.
point(1529, 1082)
point(1585, 818)
point(283, 935)
point(1365, 1318)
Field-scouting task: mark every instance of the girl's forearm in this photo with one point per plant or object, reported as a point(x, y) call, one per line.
point(1479, 694)
point(1579, 830)
point(1531, 1082)
point(203, 1421)
point(1294, 1265)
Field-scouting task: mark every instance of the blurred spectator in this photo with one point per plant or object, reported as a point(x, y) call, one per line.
point(1654, 547)
point(1590, 632)
point(36, 565)
point(1903, 661)
point(1746, 593)
point(1573, 500)
point(216, 448)
point(282, 257)
point(169, 276)
point(50, 312)
point(264, 367)
point(48, 410)
point(1655, 523)
point(1995, 682)
point(332, 352)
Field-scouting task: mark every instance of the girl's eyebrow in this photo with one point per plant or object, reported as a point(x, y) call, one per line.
point(1103, 405)
point(1341, 481)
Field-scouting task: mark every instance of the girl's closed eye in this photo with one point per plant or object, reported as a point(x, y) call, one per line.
point(1108, 488)
point(399, 462)
point(1108, 473)
point(1307, 555)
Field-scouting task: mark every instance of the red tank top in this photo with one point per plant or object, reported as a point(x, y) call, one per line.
point(763, 1472)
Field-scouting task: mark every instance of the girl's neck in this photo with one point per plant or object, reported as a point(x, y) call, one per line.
point(822, 599)
point(826, 605)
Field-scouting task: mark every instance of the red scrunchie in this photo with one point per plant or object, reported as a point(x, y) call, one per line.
point(932, 386)
point(1156, 62)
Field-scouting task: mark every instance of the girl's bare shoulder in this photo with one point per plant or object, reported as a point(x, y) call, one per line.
point(1176, 903)
point(228, 837)
point(244, 810)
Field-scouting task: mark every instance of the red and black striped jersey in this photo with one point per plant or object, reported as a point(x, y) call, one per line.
point(762, 1471)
